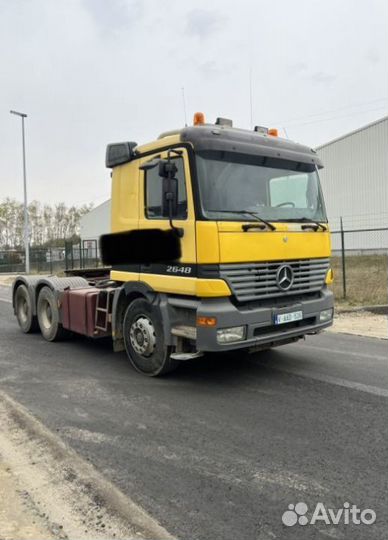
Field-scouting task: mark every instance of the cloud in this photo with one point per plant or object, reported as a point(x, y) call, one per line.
point(113, 15)
point(202, 23)
point(320, 77)
point(298, 67)
point(209, 69)
point(317, 77)
point(372, 56)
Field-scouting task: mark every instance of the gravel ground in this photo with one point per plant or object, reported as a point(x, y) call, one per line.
point(47, 491)
point(361, 323)
point(18, 519)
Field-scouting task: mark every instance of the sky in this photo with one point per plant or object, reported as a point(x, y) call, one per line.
point(90, 72)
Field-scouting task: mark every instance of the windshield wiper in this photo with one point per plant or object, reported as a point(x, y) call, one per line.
point(253, 214)
point(313, 223)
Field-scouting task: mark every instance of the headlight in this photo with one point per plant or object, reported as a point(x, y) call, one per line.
point(326, 315)
point(227, 335)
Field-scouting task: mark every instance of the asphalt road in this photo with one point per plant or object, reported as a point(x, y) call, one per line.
point(220, 448)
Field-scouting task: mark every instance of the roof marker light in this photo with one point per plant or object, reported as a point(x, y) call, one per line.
point(273, 131)
point(261, 129)
point(199, 118)
point(224, 122)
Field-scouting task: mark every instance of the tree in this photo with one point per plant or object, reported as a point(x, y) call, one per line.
point(47, 223)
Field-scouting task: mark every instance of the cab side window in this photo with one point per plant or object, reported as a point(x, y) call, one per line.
point(154, 193)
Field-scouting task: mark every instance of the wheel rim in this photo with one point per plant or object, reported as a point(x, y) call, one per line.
point(46, 315)
point(142, 336)
point(23, 309)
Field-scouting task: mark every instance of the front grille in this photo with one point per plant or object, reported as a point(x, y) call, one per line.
point(255, 281)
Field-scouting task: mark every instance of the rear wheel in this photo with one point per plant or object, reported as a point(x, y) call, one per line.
point(48, 316)
point(144, 340)
point(23, 307)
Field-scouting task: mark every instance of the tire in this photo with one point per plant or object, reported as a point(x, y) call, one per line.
point(48, 316)
point(144, 340)
point(23, 308)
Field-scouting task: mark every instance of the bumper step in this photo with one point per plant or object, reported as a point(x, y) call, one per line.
point(184, 356)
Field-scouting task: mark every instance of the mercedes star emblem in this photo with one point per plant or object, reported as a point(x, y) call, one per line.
point(284, 277)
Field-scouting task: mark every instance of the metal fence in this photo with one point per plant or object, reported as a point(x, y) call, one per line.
point(48, 260)
point(360, 263)
point(86, 254)
point(51, 260)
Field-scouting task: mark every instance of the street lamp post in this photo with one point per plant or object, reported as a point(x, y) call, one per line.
point(26, 231)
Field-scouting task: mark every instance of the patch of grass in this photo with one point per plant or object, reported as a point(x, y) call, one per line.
point(366, 280)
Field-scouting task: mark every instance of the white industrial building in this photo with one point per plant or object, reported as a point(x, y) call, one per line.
point(92, 226)
point(355, 185)
point(96, 222)
point(354, 182)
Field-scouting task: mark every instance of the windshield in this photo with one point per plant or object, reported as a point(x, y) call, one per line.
point(274, 189)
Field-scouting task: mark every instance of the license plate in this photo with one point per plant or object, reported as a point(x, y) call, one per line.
point(282, 318)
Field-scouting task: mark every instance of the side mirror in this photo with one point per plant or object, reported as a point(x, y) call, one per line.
point(170, 197)
point(167, 171)
point(167, 168)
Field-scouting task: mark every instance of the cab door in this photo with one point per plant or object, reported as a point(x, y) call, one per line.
point(177, 277)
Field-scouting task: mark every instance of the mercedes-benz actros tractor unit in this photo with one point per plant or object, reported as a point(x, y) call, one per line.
point(254, 265)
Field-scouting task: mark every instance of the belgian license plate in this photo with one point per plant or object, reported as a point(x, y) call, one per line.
point(282, 318)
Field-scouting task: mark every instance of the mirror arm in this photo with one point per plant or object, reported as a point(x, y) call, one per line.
point(148, 165)
point(173, 151)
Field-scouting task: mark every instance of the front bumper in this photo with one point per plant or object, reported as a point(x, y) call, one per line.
point(259, 321)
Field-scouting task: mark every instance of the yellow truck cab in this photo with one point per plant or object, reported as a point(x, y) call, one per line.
point(255, 247)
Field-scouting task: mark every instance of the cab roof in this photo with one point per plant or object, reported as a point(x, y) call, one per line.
point(229, 139)
point(225, 138)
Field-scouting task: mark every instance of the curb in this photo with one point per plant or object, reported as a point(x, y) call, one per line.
point(379, 309)
point(83, 496)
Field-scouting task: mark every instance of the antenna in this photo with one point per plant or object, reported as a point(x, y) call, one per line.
point(184, 104)
point(250, 95)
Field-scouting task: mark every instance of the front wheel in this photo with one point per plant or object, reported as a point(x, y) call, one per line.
point(144, 340)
